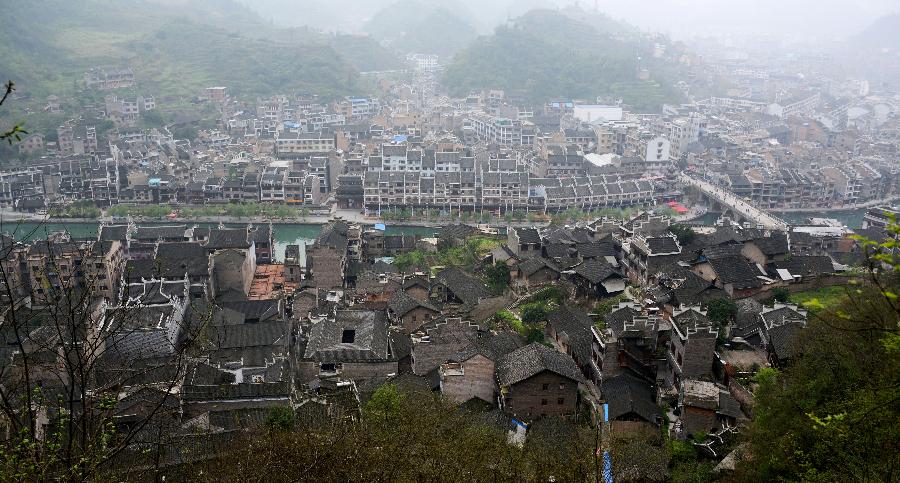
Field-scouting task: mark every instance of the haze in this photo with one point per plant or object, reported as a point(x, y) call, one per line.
point(790, 19)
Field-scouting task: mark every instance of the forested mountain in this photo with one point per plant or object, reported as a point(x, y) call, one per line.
point(884, 33)
point(424, 26)
point(176, 47)
point(546, 54)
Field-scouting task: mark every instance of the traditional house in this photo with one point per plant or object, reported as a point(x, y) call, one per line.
point(349, 345)
point(705, 407)
point(470, 372)
point(731, 273)
point(693, 345)
point(435, 343)
point(410, 313)
point(597, 279)
point(536, 271)
point(524, 242)
point(632, 402)
point(780, 325)
point(537, 381)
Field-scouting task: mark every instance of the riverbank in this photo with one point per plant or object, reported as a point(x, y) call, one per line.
point(840, 209)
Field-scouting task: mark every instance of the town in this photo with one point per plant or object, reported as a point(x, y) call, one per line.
point(573, 259)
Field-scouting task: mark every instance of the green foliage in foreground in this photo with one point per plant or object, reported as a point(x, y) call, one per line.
point(408, 435)
point(832, 414)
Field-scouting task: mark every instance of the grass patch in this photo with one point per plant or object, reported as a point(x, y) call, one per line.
point(825, 298)
point(466, 256)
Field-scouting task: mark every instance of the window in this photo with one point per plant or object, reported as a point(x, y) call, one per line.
point(543, 402)
point(545, 387)
point(561, 401)
point(562, 386)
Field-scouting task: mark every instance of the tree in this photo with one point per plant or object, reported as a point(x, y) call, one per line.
point(684, 234)
point(721, 311)
point(280, 419)
point(534, 313)
point(781, 294)
point(832, 414)
point(68, 362)
point(498, 277)
point(14, 133)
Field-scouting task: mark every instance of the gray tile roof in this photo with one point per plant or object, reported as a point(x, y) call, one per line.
point(370, 339)
point(628, 395)
point(533, 359)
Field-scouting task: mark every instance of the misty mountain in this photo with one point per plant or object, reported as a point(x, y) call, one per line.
point(424, 26)
point(324, 15)
point(176, 48)
point(546, 54)
point(884, 33)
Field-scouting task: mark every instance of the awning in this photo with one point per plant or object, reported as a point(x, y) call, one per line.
point(614, 285)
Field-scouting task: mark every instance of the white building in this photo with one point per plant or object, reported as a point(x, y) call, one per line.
point(597, 114)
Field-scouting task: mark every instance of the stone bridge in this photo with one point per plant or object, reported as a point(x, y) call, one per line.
point(731, 205)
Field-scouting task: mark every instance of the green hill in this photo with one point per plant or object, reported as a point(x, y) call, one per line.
point(424, 26)
point(546, 54)
point(176, 47)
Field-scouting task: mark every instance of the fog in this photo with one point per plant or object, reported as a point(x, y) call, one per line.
point(790, 19)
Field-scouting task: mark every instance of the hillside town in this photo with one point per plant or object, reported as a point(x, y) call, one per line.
point(581, 257)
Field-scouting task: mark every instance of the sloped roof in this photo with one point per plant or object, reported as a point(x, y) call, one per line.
point(575, 324)
point(402, 303)
point(775, 244)
point(596, 271)
point(806, 265)
point(533, 359)
point(220, 239)
point(370, 337)
point(734, 269)
point(626, 394)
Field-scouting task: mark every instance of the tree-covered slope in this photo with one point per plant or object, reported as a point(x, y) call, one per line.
point(176, 47)
point(424, 26)
point(546, 54)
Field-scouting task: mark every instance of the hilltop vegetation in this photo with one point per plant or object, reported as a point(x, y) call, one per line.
point(424, 26)
point(176, 47)
point(547, 54)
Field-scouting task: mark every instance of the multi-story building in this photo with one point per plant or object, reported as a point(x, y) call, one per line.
point(847, 183)
point(293, 144)
point(501, 130)
point(18, 185)
point(799, 106)
point(109, 79)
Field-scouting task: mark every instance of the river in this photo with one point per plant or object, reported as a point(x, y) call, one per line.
point(285, 234)
point(851, 218)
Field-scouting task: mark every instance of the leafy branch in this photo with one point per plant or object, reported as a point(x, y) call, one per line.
point(16, 132)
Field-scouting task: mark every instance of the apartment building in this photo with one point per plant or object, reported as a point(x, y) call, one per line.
point(846, 181)
point(501, 130)
point(102, 79)
point(294, 144)
point(802, 105)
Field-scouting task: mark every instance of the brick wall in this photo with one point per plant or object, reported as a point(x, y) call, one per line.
point(541, 395)
point(477, 380)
